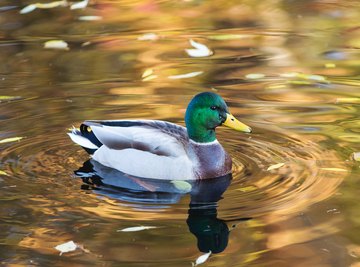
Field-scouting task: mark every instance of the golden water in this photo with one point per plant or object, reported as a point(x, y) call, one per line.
point(289, 69)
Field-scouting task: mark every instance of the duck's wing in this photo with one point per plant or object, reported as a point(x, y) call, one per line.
point(157, 137)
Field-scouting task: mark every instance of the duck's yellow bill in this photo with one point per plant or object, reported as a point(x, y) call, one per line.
point(233, 123)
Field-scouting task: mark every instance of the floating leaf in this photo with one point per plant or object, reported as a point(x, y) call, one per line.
point(356, 156)
point(66, 247)
point(56, 44)
point(11, 139)
point(51, 4)
point(147, 72)
point(348, 100)
point(330, 65)
point(148, 37)
point(9, 98)
point(90, 18)
point(182, 185)
point(334, 169)
point(3, 173)
point(202, 259)
point(200, 50)
point(79, 5)
point(148, 75)
point(249, 188)
point(275, 166)
point(32, 7)
point(136, 228)
point(185, 76)
point(254, 76)
point(86, 44)
point(28, 9)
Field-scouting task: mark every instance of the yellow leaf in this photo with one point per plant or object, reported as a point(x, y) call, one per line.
point(3, 173)
point(147, 72)
point(182, 186)
point(330, 65)
point(249, 188)
point(11, 139)
point(275, 166)
point(5, 97)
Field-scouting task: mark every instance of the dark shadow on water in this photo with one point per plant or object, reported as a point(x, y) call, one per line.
point(211, 232)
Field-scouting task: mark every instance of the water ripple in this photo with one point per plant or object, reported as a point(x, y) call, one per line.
point(304, 178)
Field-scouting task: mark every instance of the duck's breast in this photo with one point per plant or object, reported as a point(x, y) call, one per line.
point(212, 159)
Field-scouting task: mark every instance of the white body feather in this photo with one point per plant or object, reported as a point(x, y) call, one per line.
point(145, 164)
point(150, 150)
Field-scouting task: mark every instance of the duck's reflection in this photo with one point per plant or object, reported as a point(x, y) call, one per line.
point(211, 233)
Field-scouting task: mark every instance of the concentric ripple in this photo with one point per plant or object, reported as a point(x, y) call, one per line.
point(282, 174)
point(49, 203)
point(302, 176)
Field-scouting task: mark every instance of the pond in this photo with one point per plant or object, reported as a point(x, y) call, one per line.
point(288, 69)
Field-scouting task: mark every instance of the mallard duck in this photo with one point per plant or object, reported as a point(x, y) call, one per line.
point(163, 150)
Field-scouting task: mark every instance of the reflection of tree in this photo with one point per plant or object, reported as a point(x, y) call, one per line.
point(114, 58)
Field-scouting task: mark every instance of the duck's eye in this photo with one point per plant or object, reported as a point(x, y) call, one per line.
point(213, 107)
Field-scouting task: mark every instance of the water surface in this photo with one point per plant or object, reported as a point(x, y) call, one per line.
point(289, 69)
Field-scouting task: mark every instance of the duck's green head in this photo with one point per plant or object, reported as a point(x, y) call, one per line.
point(205, 112)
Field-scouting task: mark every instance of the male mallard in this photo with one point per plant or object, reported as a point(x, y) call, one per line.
point(163, 150)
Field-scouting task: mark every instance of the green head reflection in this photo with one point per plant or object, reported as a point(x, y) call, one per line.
point(212, 233)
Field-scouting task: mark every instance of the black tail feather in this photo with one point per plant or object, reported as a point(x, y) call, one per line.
point(88, 134)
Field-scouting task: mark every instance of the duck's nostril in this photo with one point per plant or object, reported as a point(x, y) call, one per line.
point(232, 119)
